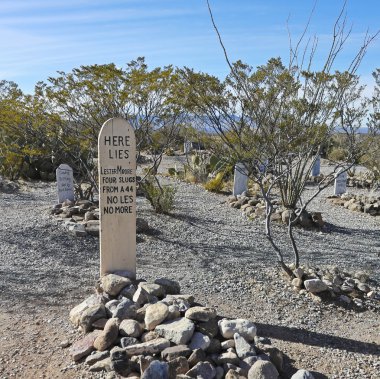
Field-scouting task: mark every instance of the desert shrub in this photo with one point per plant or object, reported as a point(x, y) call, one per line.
point(189, 176)
point(160, 197)
point(198, 166)
point(215, 184)
point(11, 165)
point(172, 171)
point(337, 154)
point(203, 165)
point(169, 152)
point(175, 173)
point(371, 159)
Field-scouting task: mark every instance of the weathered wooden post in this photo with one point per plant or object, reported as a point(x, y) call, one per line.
point(117, 196)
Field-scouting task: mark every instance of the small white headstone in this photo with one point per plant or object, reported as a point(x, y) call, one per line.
point(316, 170)
point(65, 183)
point(240, 179)
point(340, 184)
point(263, 166)
point(117, 196)
point(187, 147)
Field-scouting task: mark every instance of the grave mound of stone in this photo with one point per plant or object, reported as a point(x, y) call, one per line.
point(358, 203)
point(81, 218)
point(149, 330)
point(334, 284)
point(365, 180)
point(254, 207)
point(8, 186)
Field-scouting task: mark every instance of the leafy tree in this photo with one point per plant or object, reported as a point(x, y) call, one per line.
point(275, 120)
point(10, 116)
point(371, 159)
point(88, 96)
point(29, 132)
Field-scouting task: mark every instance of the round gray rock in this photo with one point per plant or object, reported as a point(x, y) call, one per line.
point(315, 285)
point(130, 328)
point(113, 284)
point(200, 313)
point(199, 341)
point(178, 331)
point(204, 370)
point(244, 327)
point(156, 370)
point(263, 370)
point(302, 374)
point(108, 336)
point(155, 314)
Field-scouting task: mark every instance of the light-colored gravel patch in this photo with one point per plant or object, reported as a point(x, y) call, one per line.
point(213, 252)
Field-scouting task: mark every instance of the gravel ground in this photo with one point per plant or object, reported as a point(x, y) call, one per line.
point(213, 252)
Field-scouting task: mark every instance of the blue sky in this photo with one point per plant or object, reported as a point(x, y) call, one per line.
point(40, 37)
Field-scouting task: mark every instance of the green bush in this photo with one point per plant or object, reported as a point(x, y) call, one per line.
point(371, 160)
point(160, 197)
point(172, 171)
point(215, 184)
point(337, 154)
point(169, 152)
point(201, 165)
point(11, 165)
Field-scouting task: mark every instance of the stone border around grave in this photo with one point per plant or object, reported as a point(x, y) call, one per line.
point(150, 331)
point(334, 284)
point(253, 207)
point(81, 218)
point(357, 203)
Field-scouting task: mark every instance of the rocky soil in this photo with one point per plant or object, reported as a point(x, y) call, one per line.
point(214, 253)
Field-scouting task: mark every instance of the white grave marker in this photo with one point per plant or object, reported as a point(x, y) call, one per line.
point(316, 170)
point(117, 196)
point(263, 166)
point(340, 184)
point(187, 146)
point(65, 183)
point(240, 179)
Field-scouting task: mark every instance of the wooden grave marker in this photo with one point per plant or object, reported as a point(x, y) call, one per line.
point(117, 196)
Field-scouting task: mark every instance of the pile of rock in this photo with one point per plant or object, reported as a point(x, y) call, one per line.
point(251, 206)
point(254, 207)
point(7, 186)
point(316, 179)
point(334, 284)
point(358, 203)
point(360, 182)
point(81, 218)
point(146, 330)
